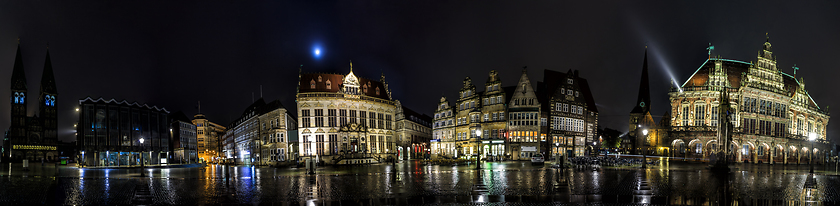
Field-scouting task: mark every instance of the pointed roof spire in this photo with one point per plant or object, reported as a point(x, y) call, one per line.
point(18, 74)
point(351, 66)
point(643, 101)
point(47, 77)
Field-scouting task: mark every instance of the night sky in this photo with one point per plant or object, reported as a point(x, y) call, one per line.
point(174, 54)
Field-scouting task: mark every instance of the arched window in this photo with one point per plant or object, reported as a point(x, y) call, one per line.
point(682, 147)
point(312, 84)
point(319, 78)
point(329, 84)
point(377, 91)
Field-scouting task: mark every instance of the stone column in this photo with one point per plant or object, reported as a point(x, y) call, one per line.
point(772, 154)
point(798, 155)
point(785, 153)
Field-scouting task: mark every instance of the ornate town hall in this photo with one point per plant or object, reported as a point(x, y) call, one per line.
point(32, 138)
point(772, 115)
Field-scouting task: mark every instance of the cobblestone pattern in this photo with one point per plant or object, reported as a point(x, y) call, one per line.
point(515, 187)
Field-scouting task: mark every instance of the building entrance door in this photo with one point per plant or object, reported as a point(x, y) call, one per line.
point(354, 145)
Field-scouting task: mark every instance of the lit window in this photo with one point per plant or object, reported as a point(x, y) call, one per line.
point(312, 84)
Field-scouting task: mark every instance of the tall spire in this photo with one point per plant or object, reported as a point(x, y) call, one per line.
point(18, 75)
point(48, 78)
point(643, 102)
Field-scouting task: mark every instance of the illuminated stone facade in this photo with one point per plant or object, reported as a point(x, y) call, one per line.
point(512, 123)
point(572, 116)
point(523, 126)
point(414, 131)
point(33, 138)
point(209, 137)
point(260, 135)
point(344, 119)
point(772, 114)
point(443, 130)
point(493, 116)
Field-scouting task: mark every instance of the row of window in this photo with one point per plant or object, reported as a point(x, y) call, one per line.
point(699, 115)
point(529, 101)
point(568, 124)
point(494, 87)
point(493, 100)
point(563, 107)
point(764, 107)
point(569, 92)
point(278, 154)
point(19, 97)
point(763, 127)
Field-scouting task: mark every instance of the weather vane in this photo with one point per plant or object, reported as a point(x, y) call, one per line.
point(710, 48)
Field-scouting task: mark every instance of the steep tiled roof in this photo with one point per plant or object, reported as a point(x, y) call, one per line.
point(336, 81)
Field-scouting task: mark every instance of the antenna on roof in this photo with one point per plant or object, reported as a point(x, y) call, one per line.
point(199, 107)
point(261, 91)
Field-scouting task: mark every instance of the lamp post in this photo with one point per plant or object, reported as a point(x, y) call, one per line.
point(142, 163)
point(644, 149)
point(812, 137)
point(478, 156)
point(557, 154)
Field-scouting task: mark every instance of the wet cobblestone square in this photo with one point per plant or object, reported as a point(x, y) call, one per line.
point(413, 183)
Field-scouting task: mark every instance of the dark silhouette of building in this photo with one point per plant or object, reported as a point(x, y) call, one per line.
point(119, 133)
point(32, 137)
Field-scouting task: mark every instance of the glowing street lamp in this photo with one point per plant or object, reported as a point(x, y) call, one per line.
point(142, 163)
point(812, 137)
point(478, 156)
point(644, 150)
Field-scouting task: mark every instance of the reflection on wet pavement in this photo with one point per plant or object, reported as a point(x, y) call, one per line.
point(414, 183)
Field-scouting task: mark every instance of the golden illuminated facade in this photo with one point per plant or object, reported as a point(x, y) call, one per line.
point(344, 119)
point(512, 123)
point(772, 114)
point(493, 112)
point(209, 136)
point(523, 123)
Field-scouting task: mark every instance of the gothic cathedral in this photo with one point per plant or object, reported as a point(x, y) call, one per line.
point(32, 137)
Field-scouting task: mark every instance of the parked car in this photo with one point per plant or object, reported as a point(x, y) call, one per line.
point(537, 159)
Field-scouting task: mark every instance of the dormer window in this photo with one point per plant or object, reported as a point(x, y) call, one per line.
point(364, 88)
point(377, 91)
point(329, 84)
point(319, 78)
point(312, 84)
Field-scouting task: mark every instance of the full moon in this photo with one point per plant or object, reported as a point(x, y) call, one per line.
point(317, 52)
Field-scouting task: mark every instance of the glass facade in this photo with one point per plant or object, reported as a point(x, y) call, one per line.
point(109, 133)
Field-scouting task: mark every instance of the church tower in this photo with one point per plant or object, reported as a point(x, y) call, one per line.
point(640, 115)
point(47, 109)
point(17, 130)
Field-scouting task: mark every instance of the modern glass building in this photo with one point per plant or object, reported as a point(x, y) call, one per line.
point(119, 133)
